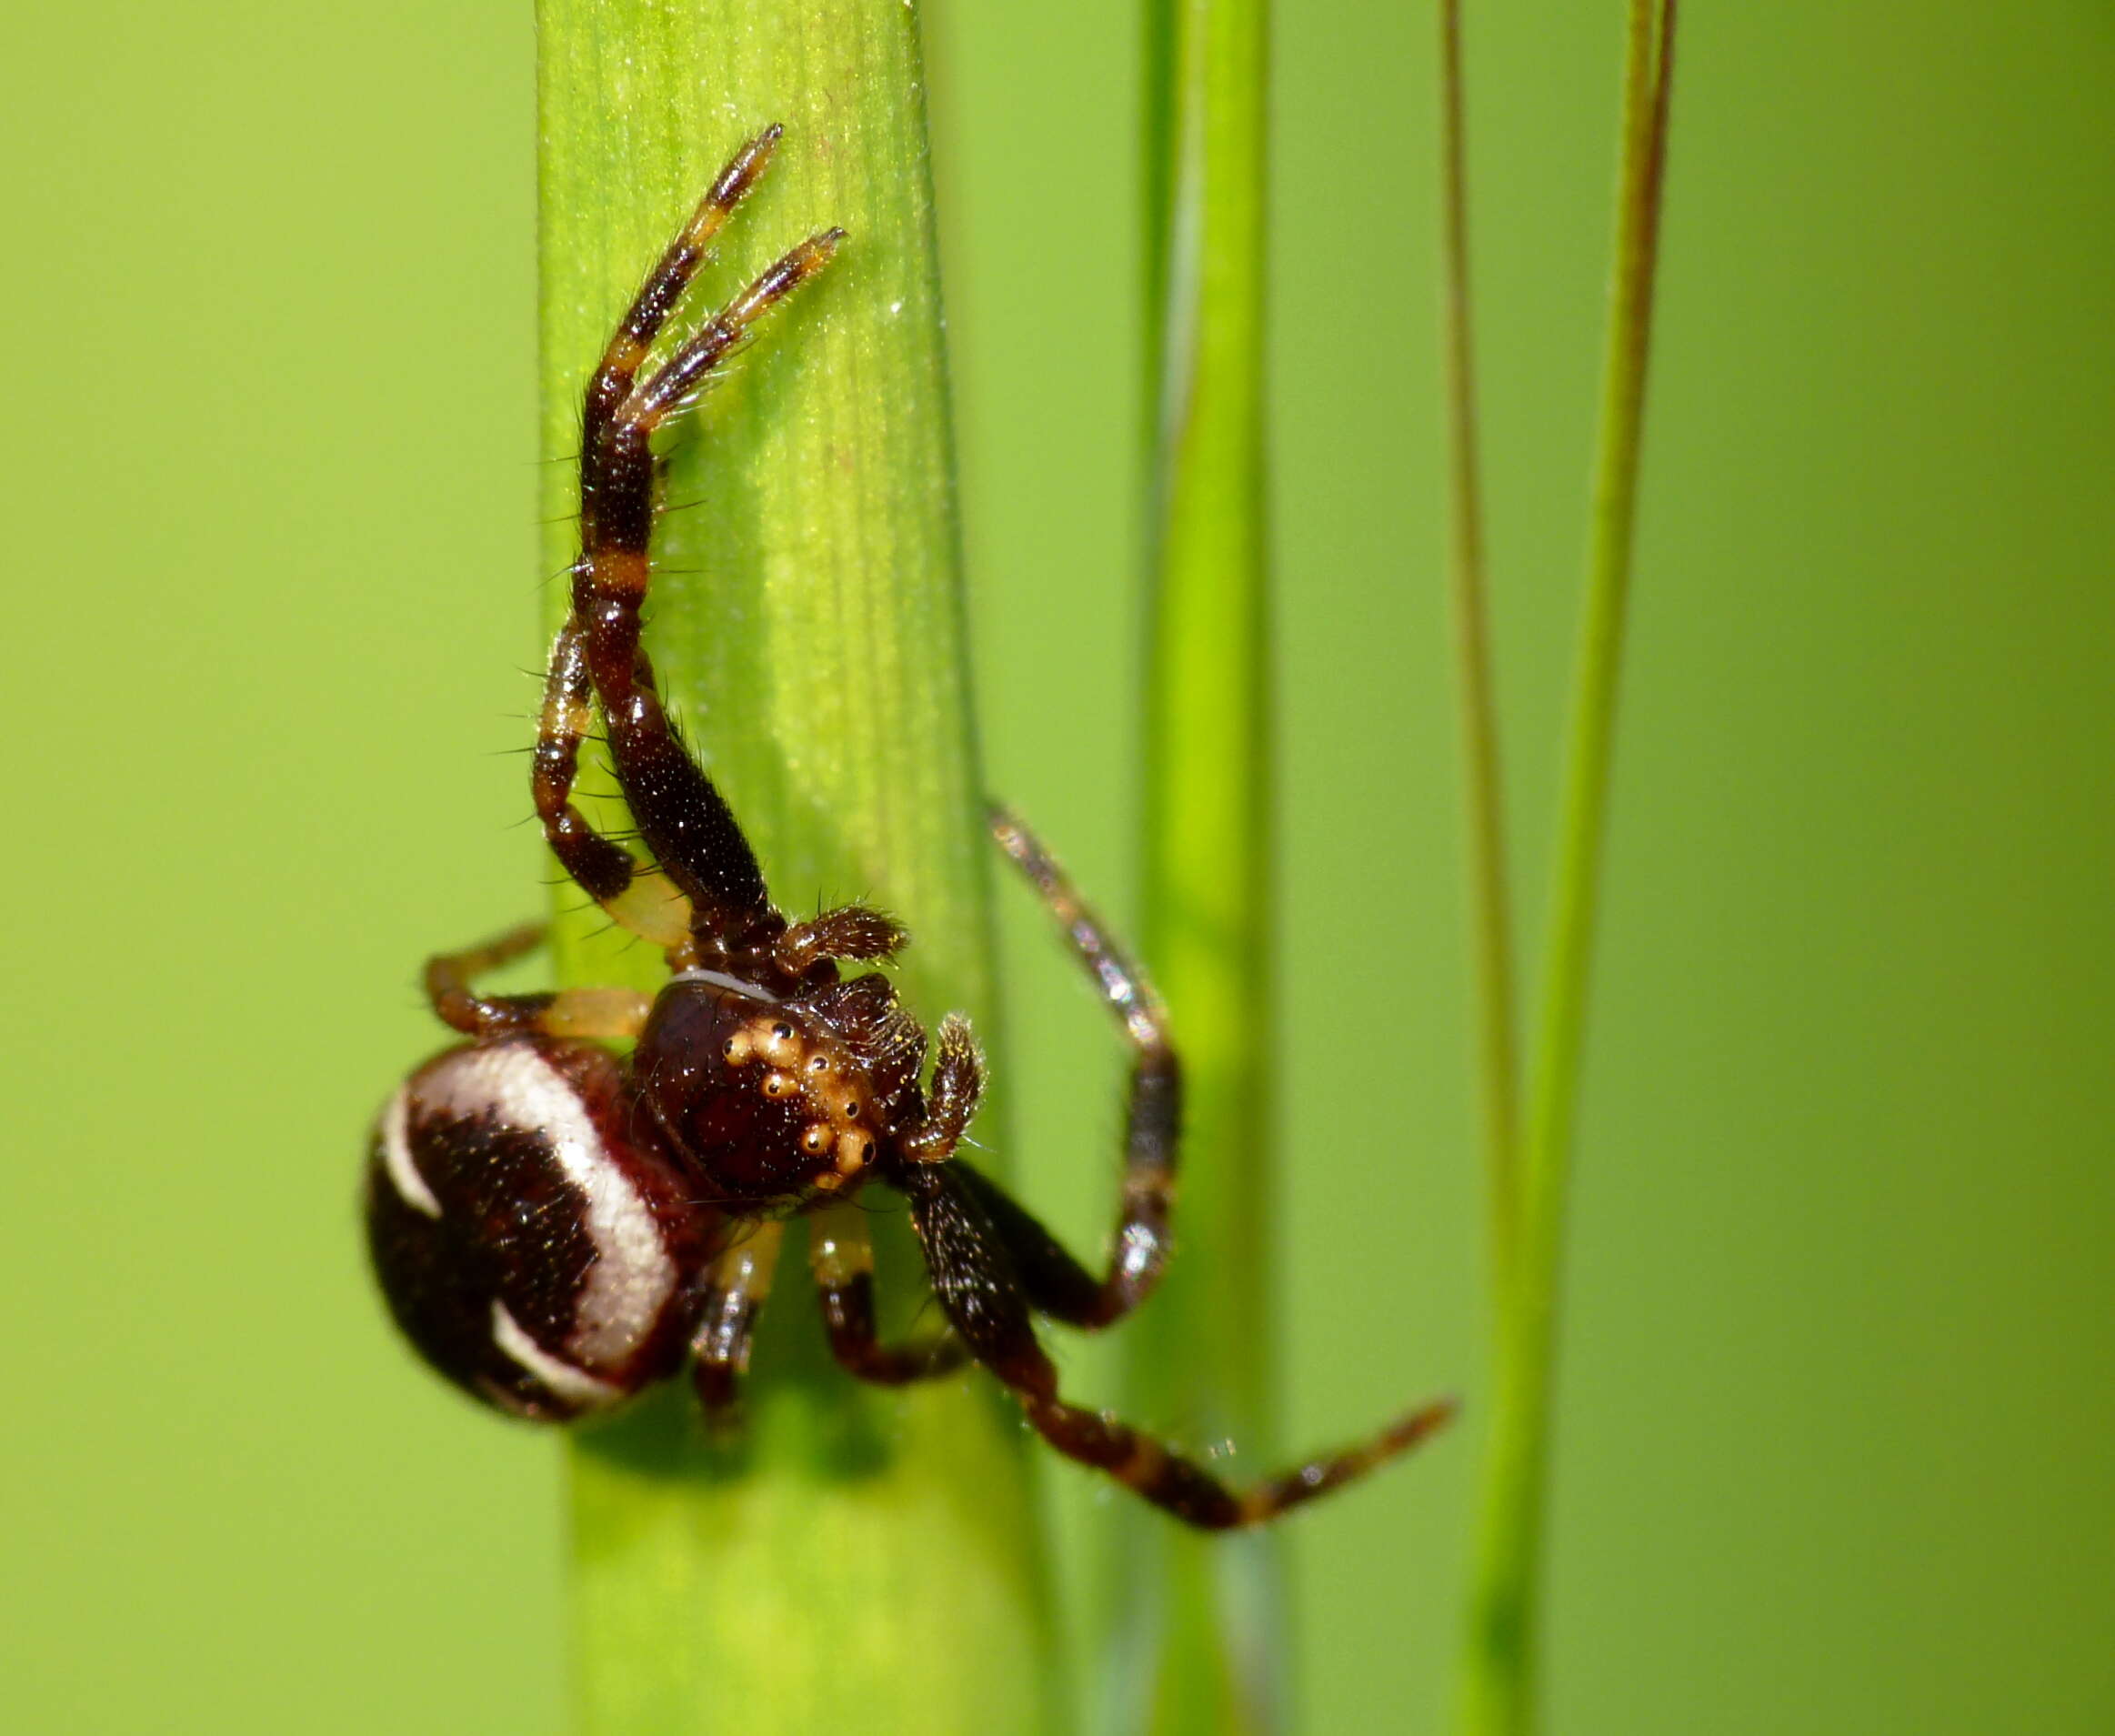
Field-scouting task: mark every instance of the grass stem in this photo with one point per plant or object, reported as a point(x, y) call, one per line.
point(866, 1561)
point(1197, 1624)
point(1490, 916)
point(1502, 1657)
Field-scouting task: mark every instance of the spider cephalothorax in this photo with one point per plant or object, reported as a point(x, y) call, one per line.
point(555, 1228)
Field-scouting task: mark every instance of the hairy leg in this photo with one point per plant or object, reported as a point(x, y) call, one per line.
point(450, 978)
point(737, 1286)
point(1153, 1122)
point(984, 1297)
point(641, 901)
point(684, 819)
point(666, 282)
point(841, 1257)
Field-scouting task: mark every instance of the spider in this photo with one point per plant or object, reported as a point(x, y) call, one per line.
point(555, 1228)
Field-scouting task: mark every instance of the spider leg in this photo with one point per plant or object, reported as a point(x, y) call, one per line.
point(570, 1012)
point(604, 869)
point(737, 1286)
point(668, 279)
point(684, 819)
point(982, 1294)
point(841, 1257)
point(1154, 1117)
point(1054, 1282)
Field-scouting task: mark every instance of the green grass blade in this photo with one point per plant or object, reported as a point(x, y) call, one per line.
point(1490, 916)
point(1501, 1665)
point(1199, 1620)
point(866, 1563)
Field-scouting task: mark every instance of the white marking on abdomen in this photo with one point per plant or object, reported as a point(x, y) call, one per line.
point(562, 1379)
point(404, 1176)
point(632, 1279)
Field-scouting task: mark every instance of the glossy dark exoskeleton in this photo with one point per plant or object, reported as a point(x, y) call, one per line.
point(555, 1227)
point(533, 1254)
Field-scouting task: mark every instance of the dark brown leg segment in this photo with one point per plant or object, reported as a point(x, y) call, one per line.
point(984, 1297)
point(1056, 1283)
point(841, 1256)
point(570, 1012)
point(604, 869)
point(735, 1290)
point(617, 487)
point(1154, 1122)
point(1193, 1494)
point(684, 819)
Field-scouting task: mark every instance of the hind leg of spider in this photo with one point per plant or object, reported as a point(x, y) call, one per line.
point(841, 1257)
point(450, 980)
point(1182, 1487)
point(982, 1293)
point(686, 822)
point(1153, 1114)
point(637, 900)
point(736, 1289)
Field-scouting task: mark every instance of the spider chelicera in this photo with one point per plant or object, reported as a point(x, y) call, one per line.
point(555, 1228)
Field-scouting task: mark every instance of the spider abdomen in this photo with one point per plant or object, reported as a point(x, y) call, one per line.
point(528, 1250)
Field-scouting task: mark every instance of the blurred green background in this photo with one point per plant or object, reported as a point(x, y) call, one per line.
point(1838, 1403)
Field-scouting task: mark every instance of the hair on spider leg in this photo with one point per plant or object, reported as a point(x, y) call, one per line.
point(679, 409)
point(519, 717)
point(630, 943)
point(609, 928)
point(672, 509)
point(720, 1203)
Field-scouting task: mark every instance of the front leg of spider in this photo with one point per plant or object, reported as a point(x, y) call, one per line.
point(555, 1228)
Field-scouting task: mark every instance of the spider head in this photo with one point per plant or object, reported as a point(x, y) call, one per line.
point(764, 1097)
